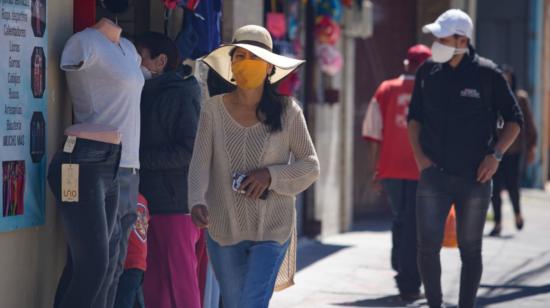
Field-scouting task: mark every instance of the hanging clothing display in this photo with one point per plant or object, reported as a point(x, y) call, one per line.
point(206, 23)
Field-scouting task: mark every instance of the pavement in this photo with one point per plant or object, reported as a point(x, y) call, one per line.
point(353, 269)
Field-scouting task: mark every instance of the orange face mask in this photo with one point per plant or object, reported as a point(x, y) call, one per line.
point(249, 74)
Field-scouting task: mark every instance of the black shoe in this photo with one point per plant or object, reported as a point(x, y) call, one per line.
point(496, 231)
point(519, 222)
point(411, 297)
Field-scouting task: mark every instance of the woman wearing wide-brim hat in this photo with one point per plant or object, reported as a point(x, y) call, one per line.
point(253, 131)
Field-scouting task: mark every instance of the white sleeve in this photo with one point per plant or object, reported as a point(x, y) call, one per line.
point(77, 54)
point(373, 123)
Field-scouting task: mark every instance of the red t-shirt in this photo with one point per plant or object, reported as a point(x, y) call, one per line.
point(137, 243)
point(386, 122)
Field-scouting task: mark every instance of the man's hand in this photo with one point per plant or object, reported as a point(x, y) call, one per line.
point(487, 169)
point(256, 183)
point(199, 216)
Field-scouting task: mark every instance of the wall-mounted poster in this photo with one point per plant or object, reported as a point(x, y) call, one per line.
point(23, 112)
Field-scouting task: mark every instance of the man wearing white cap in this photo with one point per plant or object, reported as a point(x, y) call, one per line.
point(452, 123)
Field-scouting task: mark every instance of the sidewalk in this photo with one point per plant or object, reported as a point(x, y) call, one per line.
point(353, 269)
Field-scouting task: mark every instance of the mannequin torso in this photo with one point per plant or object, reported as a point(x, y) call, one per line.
point(105, 83)
point(91, 131)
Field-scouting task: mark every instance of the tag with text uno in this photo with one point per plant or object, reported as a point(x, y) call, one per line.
point(69, 182)
point(69, 144)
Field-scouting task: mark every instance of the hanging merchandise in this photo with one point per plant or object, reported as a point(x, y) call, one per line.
point(347, 3)
point(329, 8)
point(186, 4)
point(293, 19)
point(116, 6)
point(206, 22)
point(275, 21)
point(327, 31)
point(289, 84)
point(284, 48)
point(188, 39)
point(330, 59)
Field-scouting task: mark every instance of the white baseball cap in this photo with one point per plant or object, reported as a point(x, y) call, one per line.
point(451, 22)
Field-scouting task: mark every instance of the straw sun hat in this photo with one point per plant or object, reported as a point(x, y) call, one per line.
point(258, 41)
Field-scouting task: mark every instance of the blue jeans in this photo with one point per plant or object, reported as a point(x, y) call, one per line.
point(125, 219)
point(436, 192)
point(247, 271)
point(129, 293)
point(88, 224)
point(402, 199)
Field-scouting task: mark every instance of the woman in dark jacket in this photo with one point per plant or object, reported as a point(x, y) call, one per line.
point(170, 107)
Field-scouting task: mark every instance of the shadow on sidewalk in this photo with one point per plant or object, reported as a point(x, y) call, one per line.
point(313, 252)
point(387, 301)
point(516, 284)
point(379, 222)
point(521, 292)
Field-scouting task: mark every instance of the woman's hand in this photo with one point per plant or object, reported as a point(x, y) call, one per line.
point(256, 183)
point(199, 216)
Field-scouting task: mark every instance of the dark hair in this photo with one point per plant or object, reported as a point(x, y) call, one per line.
point(157, 44)
point(272, 104)
point(508, 69)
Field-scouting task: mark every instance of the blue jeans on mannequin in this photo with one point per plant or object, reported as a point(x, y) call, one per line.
point(247, 271)
point(436, 192)
point(89, 223)
point(126, 217)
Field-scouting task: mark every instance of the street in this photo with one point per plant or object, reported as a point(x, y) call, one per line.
point(353, 269)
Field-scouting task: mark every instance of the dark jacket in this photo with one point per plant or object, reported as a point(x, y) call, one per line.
point(458, 110)
point(170, 106)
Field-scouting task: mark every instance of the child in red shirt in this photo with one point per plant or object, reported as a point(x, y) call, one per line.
point(129, 293)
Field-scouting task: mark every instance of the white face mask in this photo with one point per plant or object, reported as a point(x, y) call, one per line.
point(442, 53)
point(147, 74)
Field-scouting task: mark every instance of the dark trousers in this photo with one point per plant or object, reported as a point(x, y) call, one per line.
point(436, 193)
point(126, 217)
point(89, 223)
point(402, 199)
point(129, 293)
point(507, 177)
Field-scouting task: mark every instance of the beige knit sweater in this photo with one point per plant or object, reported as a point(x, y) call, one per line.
point(222, 147)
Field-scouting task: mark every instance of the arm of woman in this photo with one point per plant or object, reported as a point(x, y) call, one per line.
point(199, 169)
point(293, 178)
point(178, 115)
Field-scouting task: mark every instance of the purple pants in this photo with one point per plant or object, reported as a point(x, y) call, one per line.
point(172, 276)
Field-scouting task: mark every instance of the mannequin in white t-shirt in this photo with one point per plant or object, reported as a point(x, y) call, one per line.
point(105, 83)
point(92, 131)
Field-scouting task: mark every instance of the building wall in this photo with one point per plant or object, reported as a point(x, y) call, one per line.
point(378, 58)
point(545, 129)
point(31, 259)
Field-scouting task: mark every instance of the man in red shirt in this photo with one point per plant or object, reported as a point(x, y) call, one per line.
point(385, 127)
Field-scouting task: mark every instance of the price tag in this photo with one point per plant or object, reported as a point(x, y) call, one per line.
point(69, 144)
point(69, 182)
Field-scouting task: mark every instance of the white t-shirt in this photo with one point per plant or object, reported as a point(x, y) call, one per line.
point(106, 87)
